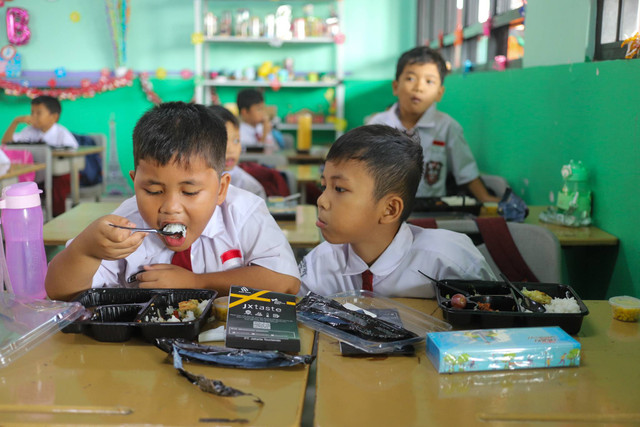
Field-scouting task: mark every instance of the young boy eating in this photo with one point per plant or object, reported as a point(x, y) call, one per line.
point(224, 236)
point(370, 177)
point(419, 85)
point(255, 126)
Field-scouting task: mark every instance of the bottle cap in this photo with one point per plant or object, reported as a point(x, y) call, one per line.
point(20, 196)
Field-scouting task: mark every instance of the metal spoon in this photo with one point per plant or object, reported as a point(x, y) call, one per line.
point(525, 301)
point(146, 230)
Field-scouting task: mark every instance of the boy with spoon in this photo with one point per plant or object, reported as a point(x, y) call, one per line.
point(229, 236)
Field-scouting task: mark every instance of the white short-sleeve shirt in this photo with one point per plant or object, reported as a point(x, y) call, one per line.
point(250, 135)
point(243, 179)
point(441, 254)
point(443, 146)
point(241, 232)
point(57, 136)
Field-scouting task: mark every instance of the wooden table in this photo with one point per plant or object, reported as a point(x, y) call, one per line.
point(73, 379)
point(572, 236)
point(75, 159)
point(301, 233)
point(16, 169)
point(407, 391)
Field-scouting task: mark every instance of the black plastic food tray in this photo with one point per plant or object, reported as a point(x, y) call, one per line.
point(117, 314)
point(470, 318)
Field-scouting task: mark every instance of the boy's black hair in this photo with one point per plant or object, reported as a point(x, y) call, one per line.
point(50, 103)
point(422, 55)
point(224, 115)
point(181, 130)
point(393, 159)
point(248, 97)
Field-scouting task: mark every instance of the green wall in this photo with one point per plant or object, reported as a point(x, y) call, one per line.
point(523, 124)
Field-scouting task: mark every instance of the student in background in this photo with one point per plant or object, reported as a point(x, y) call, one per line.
point(255, 127)
point(229, 236)
point(420, 74)
point(239, 177)
point(370, 180)
point(43, 126)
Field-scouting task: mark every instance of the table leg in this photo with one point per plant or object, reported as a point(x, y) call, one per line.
point(75, 181)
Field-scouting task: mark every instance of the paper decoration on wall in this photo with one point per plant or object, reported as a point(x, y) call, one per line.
point(18, 31)
point(633, 48)
point(75, 16)
point(118, 20)
point(186, 74)
point(197, 38)
point(104, 84)
point(161, 73)
point(10, 67)
point(147, 88)
point(2, 2)
point(60, 72)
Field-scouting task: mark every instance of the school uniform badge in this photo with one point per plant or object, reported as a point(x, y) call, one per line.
point(432, 172)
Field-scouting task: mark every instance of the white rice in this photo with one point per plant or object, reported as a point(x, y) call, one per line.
point(563, 305)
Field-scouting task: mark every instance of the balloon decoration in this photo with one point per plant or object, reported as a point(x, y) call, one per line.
point(18, 31)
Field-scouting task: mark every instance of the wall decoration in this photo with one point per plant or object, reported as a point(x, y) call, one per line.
point(147, 88)
point(633, 48)
point(18, 31)
point(118, 20)
point(75, 16)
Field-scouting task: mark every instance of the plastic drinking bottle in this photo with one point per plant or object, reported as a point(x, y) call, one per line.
point(22, 225)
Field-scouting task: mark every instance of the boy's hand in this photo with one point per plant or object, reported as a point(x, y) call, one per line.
point(266, 128)
point(24, 119)
point(166, 276)
point(102, 241)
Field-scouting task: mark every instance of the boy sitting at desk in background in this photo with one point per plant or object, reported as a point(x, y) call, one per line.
point(255, 127)
point(420, 74)
point(370, 180)
point(239, 177)
point(229, 239)
point(43, 126)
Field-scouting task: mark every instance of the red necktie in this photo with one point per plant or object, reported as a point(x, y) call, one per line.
point(182, 259)
point(367, 281)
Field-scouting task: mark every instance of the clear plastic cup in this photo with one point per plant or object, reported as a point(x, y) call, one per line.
point(625, 308)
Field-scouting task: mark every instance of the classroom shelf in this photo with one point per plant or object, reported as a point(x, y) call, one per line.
point(236, 45)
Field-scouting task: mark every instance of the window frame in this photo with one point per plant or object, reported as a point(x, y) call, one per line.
point(612, 50)
point(427, 30)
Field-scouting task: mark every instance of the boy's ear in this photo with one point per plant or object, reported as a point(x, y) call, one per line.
point(392, 206)
point(440, 93)
point(225, 180)
point(394, 86)
point(132, 175)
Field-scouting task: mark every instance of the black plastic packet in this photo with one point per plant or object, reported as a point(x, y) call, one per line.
point(231, 357)
point(208, 385)
point(361, 325)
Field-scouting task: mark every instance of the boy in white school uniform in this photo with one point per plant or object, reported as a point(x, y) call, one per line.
point(420, 74)
point(229, 237)
point(370, 177)
point(42, 125)
point(255, 127)
point(239, 177)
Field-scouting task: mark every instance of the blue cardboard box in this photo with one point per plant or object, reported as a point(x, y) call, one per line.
point(502, 349)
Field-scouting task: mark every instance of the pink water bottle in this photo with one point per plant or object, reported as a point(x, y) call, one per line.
point(22, 225)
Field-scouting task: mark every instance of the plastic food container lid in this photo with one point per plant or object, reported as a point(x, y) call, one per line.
point(25, 323)
point(625, 301)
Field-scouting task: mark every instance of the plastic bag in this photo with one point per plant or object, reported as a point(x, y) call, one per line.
point(512, 207)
